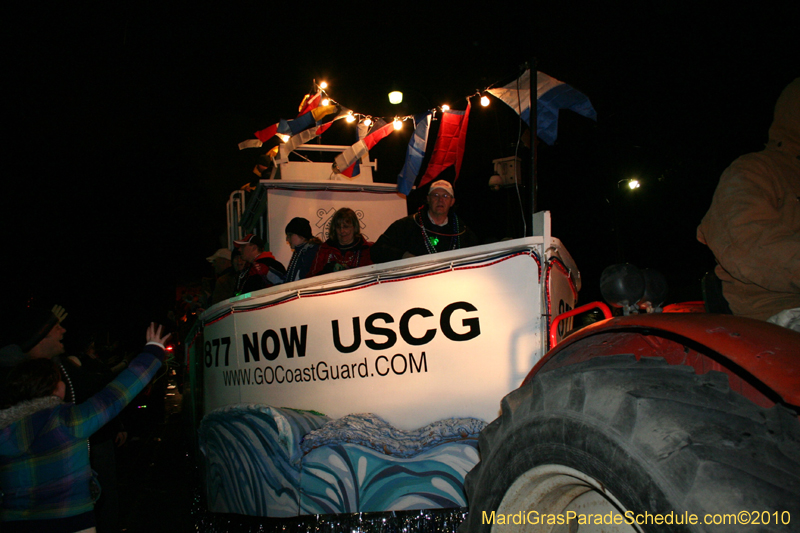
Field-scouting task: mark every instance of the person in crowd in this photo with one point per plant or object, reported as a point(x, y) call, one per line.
point(45, 478)
point(225, 284)
point(345, 248)
point(304, 248)
point(753, 224)
point(241, 268)
point(434, 228)
point(36, 333)
point(264, 270)
point(89, 375)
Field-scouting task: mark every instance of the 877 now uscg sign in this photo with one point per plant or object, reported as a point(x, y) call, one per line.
point(415, 349)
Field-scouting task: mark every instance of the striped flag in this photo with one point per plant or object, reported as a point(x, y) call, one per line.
point(551, 96)
point(415, 153)
point(307, 120)
point(347, 159)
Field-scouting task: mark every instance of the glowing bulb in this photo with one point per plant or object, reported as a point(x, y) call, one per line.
point(633, 183)
point(323, 85)
point(395, 97)
point(445, 107)
point(326, 101)
point(398, 125)
point(484, 100)
point(367, 122)
point(283, 137)
point(350, 118)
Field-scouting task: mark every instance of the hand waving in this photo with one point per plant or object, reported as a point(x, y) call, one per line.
point(154, 334)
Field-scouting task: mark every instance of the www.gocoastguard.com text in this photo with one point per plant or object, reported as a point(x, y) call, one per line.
point(383, 365)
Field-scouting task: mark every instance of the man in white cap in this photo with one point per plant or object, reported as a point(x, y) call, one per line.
point(432, 229)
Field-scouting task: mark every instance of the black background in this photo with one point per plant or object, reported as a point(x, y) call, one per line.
point(122, 122)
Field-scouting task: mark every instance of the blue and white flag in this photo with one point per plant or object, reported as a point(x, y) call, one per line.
point(551, 95)
point(415, 153)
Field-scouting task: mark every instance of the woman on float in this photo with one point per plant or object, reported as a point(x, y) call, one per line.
point(346, 247)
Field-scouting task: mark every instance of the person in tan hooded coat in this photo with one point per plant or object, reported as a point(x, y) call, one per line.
point(753, 225)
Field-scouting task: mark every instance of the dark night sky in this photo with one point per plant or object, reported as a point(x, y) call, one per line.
point(122, 122)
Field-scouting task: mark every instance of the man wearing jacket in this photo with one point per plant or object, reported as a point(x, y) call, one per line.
point(432, 229)
point(753, 225)
point(265, 271)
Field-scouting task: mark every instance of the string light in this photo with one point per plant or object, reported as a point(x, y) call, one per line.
point(394, 97)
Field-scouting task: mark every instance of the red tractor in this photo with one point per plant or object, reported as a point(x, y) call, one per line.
point(648, 422)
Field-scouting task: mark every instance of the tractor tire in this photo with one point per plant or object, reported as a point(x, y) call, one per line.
point(613, 436)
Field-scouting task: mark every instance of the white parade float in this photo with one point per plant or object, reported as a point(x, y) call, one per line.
point(365, 390)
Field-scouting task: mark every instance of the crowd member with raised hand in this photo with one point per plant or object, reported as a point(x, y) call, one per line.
point(45, 477)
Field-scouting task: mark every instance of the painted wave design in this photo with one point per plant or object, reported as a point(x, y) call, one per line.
point(252, 457)
point(277, 462)
point(351, 478)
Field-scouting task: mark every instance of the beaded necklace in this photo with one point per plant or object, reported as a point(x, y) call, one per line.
point(74, 400)
point(291, 272)
point(69, 383)
point(432, 241)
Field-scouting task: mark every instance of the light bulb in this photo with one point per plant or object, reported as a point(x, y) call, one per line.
point(445, 107)
point(395, 97)
point(350, 118)
point(323, 85)
point(398, 125)
point(326, 101)
point(484, 100)
point(367, 122)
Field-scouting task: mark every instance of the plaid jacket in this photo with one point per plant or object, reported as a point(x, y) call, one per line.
point(44, 457)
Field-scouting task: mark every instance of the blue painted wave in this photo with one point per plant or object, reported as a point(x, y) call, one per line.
point(266, 461)
point(350, 478)
point(252, 458)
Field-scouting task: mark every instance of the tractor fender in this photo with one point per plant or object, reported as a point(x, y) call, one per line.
point(761, 359)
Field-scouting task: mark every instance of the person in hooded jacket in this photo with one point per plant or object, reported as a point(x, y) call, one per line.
point(45, 478)
point(753, 225)
point(304, 248)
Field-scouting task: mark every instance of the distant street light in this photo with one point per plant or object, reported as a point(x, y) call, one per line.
point(395, 97)
point(632, 183)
